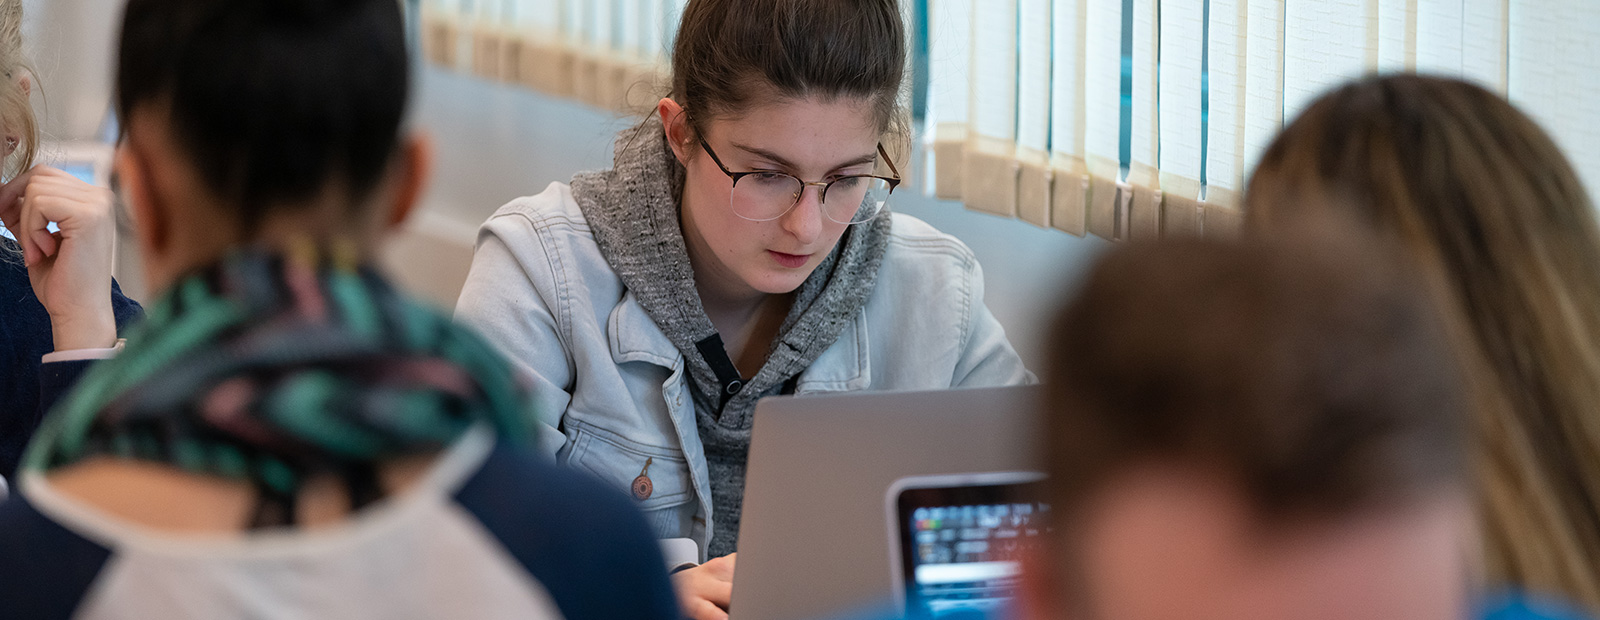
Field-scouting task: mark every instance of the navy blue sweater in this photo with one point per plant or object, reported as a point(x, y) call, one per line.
point(25, 337)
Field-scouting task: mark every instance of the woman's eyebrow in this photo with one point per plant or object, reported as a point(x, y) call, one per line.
point(781, 161)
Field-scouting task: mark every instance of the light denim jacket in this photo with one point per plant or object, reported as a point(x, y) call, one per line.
point(612, 390)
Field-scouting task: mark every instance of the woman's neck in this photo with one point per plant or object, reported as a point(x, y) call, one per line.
point(746, 319)
point(747, 333)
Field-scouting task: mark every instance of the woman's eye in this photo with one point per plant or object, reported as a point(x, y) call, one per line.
point(770, 178)
point(848, 182)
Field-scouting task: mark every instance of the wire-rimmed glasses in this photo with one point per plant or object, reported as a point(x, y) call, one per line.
point(766, 195)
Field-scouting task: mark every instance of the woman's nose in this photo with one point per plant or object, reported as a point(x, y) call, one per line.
point(804, 221)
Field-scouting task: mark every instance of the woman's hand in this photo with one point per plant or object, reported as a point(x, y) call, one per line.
point(70, 269)
point(704, 591)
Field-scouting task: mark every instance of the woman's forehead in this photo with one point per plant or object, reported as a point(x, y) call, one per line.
point(806, 132)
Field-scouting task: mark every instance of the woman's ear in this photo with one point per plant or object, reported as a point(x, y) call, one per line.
point(676, 125)
point(416, 166)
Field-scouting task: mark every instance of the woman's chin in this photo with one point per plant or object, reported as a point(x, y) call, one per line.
point(777, 281)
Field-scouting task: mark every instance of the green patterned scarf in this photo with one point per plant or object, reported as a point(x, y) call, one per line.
point(273, 368)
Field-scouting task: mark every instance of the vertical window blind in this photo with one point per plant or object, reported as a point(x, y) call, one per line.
point(1144, 145)
point(989, 163)
point(1102, 101)
point(1118, 118)
point(1180, 83)
point(1067, 177)
point(950, 56)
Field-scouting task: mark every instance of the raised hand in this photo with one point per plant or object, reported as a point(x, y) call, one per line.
point(70, 269)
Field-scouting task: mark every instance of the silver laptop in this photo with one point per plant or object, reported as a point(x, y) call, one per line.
point(813, 540)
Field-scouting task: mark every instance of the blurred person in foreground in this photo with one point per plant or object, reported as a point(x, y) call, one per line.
point(1493, 214)
point(288, 436)
point(1243, 431)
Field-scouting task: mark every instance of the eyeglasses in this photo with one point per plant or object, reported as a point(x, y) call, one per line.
point(766, 195)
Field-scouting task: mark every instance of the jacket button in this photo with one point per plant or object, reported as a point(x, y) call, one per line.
point(643, 488)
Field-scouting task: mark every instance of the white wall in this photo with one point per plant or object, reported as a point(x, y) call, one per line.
point(71, 44)
point(497, 142)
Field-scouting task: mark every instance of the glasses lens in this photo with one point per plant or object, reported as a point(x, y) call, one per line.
point(765, 195)
point(854, 200)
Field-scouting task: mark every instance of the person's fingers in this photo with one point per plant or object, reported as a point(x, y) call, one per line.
point(71, 204)
point(30, 256)
point(40, 211)
point(11, 215)
point(70, 186)
point(705, 610)
point(11, 192)
point(721, 568)
point(55, 243)
point(33, 223)
point(46, 241)
point(70, 214)
point(719, 592)
point(707, 586)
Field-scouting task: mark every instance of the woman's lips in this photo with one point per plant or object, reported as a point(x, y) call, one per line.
point(790, 261)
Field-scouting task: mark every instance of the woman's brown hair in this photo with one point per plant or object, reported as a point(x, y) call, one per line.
point(731, 52)
point(1499, 221)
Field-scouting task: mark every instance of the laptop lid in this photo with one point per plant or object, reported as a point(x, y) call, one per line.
point(813, 540)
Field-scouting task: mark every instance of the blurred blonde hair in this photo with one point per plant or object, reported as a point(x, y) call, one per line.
point(1499, 221)
point(16, 111)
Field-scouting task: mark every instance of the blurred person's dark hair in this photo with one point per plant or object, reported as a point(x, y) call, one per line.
point(1486, 205)
point(274, 101)
point(1312, 378)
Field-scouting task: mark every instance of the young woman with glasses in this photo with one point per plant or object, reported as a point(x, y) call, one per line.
point(740, 247)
